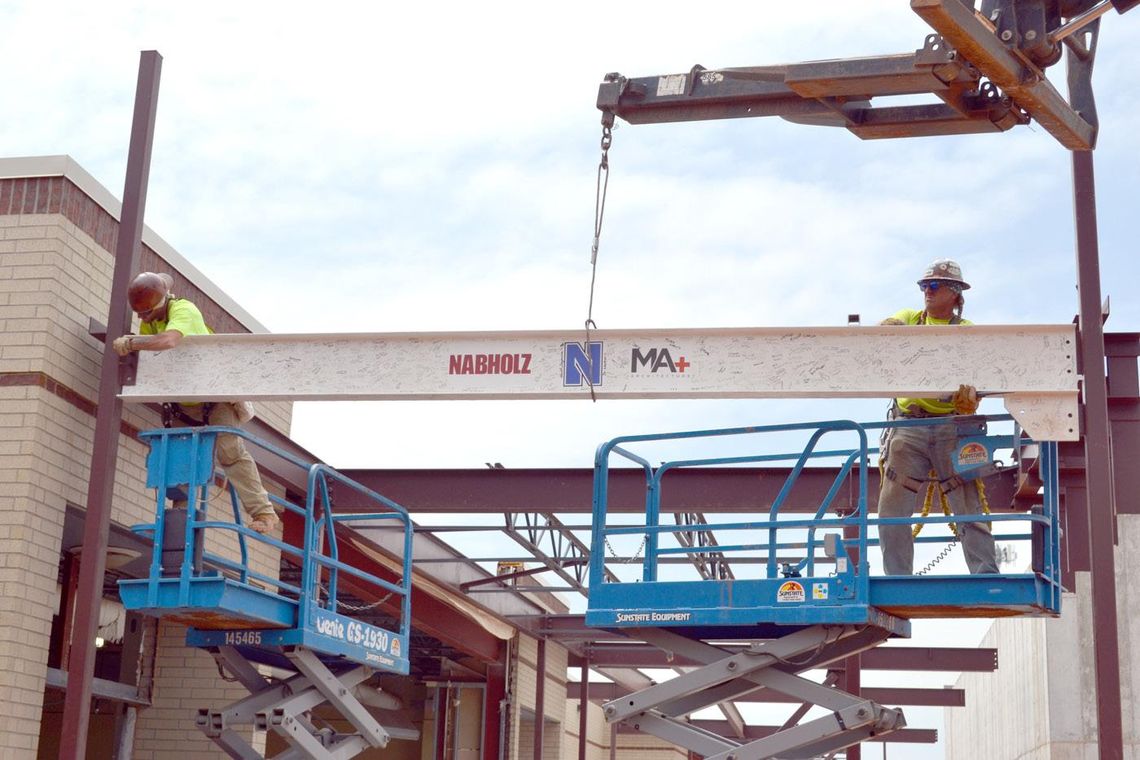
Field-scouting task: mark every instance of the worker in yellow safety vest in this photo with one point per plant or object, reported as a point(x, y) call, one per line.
point(165, 319)
point(913, 457)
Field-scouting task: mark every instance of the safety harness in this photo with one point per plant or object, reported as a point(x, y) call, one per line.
point(172, 411)
point(946, 485)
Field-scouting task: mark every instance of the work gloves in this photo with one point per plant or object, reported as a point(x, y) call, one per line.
point(965, 400)
point(122, 345)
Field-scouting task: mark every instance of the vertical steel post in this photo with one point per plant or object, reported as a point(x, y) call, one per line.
point(1098, 465)
point(493, 709)
point(584, 704)
point(539, 699)
point(442, 699)
point(81, 665)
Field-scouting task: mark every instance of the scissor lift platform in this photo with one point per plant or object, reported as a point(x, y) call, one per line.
point(201, 576)
point(815, 600)
point(210, 603)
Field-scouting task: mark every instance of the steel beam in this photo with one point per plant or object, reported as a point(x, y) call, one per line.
point(1037, 374)
point(711, 490)
point(901, 736)
point(915, 697)
point(639, 655)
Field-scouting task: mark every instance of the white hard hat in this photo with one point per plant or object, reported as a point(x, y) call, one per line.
point(945, 269)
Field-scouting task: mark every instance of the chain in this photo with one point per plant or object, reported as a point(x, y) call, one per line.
point(629, 560)
point(355, 607)
point(602, 185)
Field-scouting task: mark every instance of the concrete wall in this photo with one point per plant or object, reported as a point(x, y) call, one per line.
point(55, 274)
point(1041, 703)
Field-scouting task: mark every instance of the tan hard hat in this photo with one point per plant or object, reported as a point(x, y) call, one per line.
point(147, 291)
point(945, 269)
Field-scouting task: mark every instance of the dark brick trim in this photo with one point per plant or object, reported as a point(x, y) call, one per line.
point(58, 389)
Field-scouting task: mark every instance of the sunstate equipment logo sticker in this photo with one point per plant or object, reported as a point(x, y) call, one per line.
point(972, 455)
point(790, 591)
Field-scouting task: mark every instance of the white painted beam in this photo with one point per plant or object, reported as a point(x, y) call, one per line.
point(1034, 366)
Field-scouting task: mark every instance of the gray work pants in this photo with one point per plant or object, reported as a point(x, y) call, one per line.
point(914, 452)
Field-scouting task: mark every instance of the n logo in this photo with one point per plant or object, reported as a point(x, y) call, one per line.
point(582, 363)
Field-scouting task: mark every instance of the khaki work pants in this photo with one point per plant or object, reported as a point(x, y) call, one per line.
point(231, 454)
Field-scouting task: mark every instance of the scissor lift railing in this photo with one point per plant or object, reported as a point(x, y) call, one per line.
point(814, 600)
point(247, 617)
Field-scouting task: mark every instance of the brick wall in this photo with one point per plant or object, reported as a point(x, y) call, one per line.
point(190, 681)
point(55, 273)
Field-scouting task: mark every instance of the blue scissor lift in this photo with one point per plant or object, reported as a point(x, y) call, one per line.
point(201, 576)
point(810, 598)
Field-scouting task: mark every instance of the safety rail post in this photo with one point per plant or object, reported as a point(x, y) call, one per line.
point(599, 531)
point(194, 493)
point(652, 522)
point(243, 546)
point(308, 581)
point(598, 517)
point(159, 524)
point(844, 472)
point(863, 586)
point(790, 480)
point(1052, 549)
point(333, 547)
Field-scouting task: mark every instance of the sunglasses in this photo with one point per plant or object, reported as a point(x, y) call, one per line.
point(152, 312)
point(934, 285)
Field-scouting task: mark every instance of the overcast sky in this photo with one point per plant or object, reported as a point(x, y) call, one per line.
point(431, 166)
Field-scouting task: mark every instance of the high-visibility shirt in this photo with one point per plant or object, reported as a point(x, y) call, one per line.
point(181, 315)
point(929, 405)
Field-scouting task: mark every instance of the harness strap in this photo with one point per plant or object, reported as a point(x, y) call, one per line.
point(957, 480)
point(906, 481)
point(172, 411)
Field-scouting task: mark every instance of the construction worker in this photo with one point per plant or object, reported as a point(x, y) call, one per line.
point(910, 454)
point(165, 319)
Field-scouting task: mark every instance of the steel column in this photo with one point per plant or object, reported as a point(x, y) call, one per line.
point(539, 698)
point(493, 698)
point(104, 456)
point(852, 684)
point(583, 706)
point(1098, 465)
